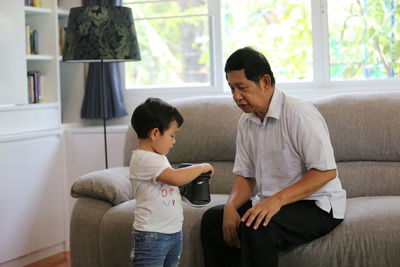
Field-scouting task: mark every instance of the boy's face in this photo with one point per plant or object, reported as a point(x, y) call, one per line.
point(164, 142)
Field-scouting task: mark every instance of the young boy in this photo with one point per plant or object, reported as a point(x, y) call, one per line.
point(157, 229)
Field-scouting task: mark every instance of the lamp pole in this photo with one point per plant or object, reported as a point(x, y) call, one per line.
point(103, 99)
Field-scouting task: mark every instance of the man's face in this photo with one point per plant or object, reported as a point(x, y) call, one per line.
point(248, 95)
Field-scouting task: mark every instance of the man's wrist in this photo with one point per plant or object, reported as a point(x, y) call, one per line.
point(229, 205)
point(280, 198)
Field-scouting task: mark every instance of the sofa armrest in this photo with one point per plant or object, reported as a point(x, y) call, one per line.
point(112, 185)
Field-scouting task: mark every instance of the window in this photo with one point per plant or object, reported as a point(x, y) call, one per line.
point(364, 39)
point(280, 29)
point(174, 43)
point(310, 44)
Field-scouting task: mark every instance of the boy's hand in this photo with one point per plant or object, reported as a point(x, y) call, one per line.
point(207, 168)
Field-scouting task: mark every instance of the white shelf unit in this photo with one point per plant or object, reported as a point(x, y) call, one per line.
point(32, 204)
point(32, 183)
point(14, 91)
point(62, 12)
point(39, 57)
point(29, 10)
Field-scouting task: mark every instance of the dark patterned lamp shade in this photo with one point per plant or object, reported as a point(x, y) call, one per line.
point(101, 33)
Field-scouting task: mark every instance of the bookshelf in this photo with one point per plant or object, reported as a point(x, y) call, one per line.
point(30, 10)
point(39, 57)
point(31, 143)
point(44, 20)
point(15, 93)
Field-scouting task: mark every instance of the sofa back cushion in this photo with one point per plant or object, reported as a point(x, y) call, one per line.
point(364, 130)
point(370, 178)
point(364, 126)
point(207, 134)
point(365, 134)
point(209, 130)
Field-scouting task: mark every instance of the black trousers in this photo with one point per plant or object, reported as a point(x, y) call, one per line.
point(295, 224)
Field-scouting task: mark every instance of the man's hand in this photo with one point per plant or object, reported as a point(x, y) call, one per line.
point(230, 226)
point(262, 212)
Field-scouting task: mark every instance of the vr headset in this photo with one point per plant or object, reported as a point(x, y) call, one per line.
point(197, 192)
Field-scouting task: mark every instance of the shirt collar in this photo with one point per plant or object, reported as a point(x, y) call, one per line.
point(275, 106)
point(274, 110)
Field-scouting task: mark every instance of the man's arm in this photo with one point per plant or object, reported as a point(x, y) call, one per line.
point(307, 185)
point(241, 192)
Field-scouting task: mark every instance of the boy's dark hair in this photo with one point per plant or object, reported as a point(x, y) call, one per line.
point(154, 113)
point(254, 63)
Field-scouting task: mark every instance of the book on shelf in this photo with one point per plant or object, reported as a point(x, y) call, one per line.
point(34, 3)
point(31, 41)
point(35, 87)
point(27, 39)
point(62, 33)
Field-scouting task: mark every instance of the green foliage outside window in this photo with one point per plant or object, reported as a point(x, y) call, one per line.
point(174, 42)
point(364, 39)
point(280, 29)
point(175, 47)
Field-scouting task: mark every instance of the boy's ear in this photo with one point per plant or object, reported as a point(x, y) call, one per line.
point(154, 133)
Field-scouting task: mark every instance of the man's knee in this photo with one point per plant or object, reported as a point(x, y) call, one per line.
point(211, 229)
point(249, 234)
point(246, 230)
point(212, 215)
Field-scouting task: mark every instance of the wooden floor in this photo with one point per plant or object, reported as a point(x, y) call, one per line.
point(59, 260)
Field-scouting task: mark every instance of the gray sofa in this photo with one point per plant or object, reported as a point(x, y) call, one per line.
point(365, 132)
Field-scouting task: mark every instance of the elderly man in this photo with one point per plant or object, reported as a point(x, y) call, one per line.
point(287, 191)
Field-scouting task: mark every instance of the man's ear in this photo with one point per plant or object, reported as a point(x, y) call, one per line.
point(266, 81)
point(153, 133)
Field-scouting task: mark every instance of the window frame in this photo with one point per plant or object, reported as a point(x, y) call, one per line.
point(216, 73)
point(319, 86)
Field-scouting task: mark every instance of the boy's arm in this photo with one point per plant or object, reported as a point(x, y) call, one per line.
point(185, 175)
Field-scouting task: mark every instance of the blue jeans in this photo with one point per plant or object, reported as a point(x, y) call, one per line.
point(150, 249)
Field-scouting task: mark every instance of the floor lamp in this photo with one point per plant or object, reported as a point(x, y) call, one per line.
point(101, 34)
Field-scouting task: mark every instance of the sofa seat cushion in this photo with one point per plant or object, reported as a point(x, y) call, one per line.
point(192, 252)
point(115, 235)
point(369, 236)
point(371, 229)
point(116, 226)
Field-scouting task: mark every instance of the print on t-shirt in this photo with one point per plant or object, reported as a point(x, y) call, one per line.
point(169, 196)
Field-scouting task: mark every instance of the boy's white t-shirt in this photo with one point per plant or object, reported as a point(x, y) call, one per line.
point(158, 205)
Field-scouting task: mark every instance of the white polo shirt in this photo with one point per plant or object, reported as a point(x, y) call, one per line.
point(292, 139)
